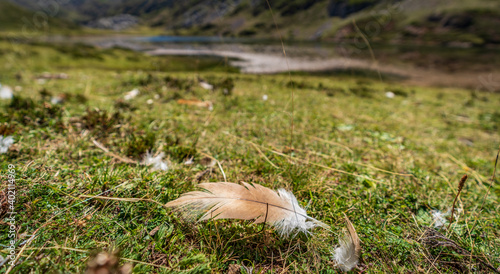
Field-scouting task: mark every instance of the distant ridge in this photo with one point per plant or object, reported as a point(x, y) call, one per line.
point(463, 23)
point(18, 18)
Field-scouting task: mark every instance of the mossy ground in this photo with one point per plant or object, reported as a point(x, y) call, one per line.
point(385, 163)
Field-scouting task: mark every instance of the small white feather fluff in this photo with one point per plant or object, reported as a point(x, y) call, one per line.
point(189, 161)
point(5, 143)
point(346, 256)
point(297, 220)
point(206, 85)
point(5, 92)
point(438, 218)
point(390, 94)
point(156, 162)
point(131, 94)
point(56, 100)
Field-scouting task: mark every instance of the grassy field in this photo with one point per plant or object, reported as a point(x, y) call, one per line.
point(385, 163)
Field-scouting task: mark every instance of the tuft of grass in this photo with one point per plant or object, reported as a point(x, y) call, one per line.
point(181, 153)
point(226, 85)
point(179, 84)
point(28, 112)
point(102, 123)
point(362, 91)
point(140, 143)
point(7, 129)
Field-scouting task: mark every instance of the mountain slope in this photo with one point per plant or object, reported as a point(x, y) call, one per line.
point(457, 22)
point(14, 17)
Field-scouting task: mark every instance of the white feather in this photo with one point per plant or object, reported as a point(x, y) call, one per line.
point(156, 162)
point(206, 85)
point(131, 94)
point(347, 254)
point(247, 202)
point(297, 220)
point(5, 143)
point(189, 161)
point(5, 92)
point(439, 218)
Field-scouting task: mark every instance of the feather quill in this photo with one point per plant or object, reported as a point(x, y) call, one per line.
point(247, 202)
point(347, 254)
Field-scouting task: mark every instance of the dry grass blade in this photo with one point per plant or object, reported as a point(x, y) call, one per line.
point(263, 155)
point(492, 177)
point(292, 126)
point(476, 175)
point(375, 62)
point(356, 163)
point(121, 199)
point(306, 161)
point(332, 143)
point(116, 156)
point(489, 188)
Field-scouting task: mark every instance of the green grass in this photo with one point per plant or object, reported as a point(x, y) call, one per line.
point(386, 163)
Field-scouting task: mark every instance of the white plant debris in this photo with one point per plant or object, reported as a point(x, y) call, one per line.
point(156, 162)
point(131, 94)
point(6, 92)
point(5, 143)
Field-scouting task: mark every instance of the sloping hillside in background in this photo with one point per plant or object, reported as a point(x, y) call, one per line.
point(457, 22)
point(14, 17)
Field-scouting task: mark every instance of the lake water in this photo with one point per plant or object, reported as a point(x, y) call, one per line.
point(434, 65)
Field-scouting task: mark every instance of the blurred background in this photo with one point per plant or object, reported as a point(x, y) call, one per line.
point(429, 42)
point(372, 109)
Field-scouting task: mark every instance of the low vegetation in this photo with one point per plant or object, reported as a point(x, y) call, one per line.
point(387, 163)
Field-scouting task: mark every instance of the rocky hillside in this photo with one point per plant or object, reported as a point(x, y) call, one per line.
point(462, 23)
point(14, 17)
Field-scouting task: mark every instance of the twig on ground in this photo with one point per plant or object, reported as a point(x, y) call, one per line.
point(433, 239)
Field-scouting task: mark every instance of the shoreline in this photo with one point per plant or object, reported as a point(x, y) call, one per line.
point(269, 59)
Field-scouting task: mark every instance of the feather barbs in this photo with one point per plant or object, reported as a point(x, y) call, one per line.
point(247, 202)
point(347, 255)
